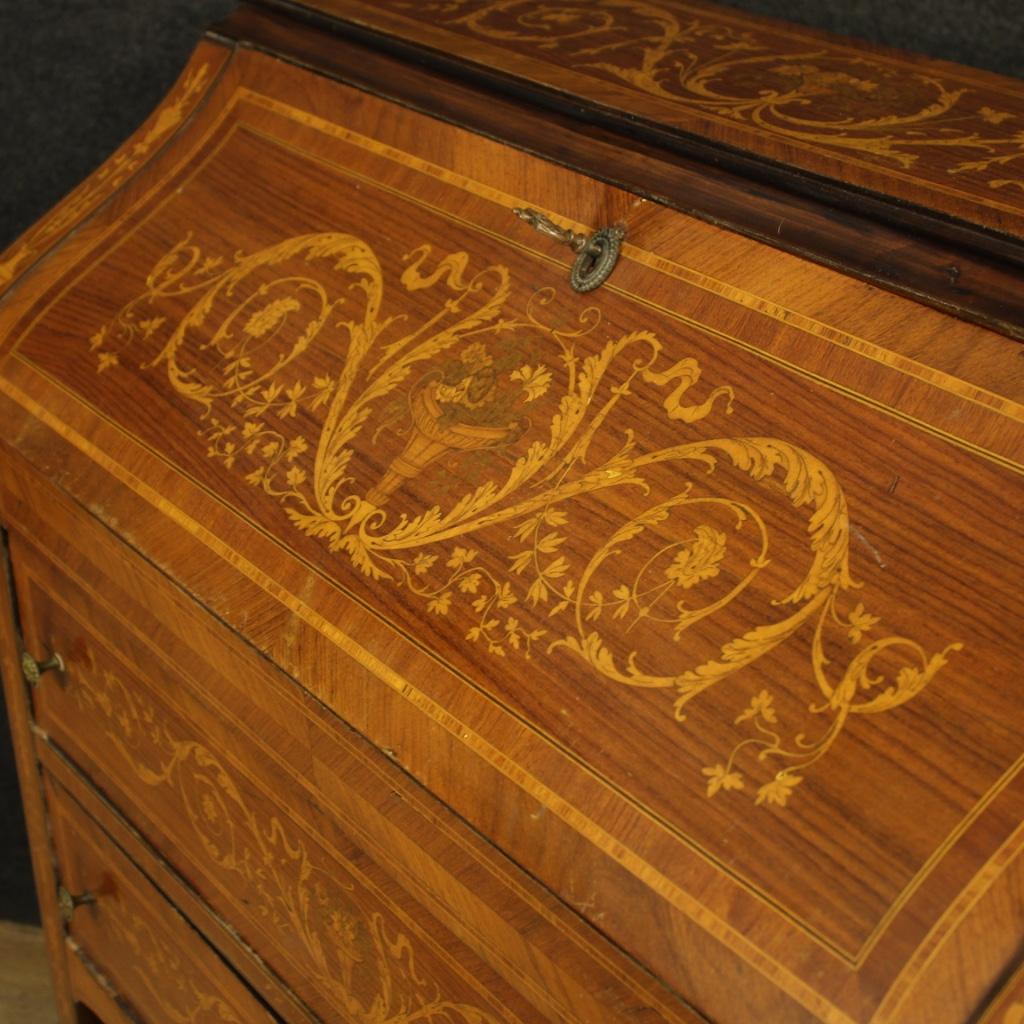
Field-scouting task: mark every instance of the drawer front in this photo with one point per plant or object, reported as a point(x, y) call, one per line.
point(150, 954)
point(305, 841)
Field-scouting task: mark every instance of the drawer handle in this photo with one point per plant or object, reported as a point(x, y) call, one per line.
point(67, 903)
point(33, 670)
point(596, 255)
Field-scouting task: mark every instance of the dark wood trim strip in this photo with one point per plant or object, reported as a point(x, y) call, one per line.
point(953, 266)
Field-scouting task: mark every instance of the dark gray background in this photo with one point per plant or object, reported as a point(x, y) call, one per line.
point(77, 77)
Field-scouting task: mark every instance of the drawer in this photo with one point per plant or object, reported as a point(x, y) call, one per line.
point(137, 941)
point(356, 888)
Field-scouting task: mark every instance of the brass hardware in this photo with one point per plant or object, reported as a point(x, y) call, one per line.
point(546, 226)
point(596, 255)
point(67, 903)
point(33, 670)
point(596, 262)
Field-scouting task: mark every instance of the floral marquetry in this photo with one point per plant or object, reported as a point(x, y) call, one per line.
point(866, 117)
point(455, 383)
point(369, 967)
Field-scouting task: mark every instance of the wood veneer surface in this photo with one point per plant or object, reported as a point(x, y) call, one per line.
point(926, 132)
point(315, 320)
point(359, 893)
point(957, 268)
point(152, 956)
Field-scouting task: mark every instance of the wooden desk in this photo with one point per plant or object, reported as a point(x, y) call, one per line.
point(433, 642)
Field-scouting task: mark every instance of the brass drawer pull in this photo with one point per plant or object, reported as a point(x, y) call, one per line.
point(596, 255)
point(33, 670)
point(68, 903)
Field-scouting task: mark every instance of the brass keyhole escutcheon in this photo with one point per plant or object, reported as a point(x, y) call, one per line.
point(596, 254)
point(597, 260)
point(34, 670)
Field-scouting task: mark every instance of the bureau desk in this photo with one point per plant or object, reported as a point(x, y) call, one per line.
point(513, 513)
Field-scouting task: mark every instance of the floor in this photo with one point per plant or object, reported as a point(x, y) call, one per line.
point(25, 993)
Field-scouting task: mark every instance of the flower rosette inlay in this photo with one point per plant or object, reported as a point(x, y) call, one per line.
point(697, 560)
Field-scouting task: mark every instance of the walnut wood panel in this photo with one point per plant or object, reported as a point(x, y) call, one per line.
point(215, 929)
point(919, 130)
point(853, 314)
point(824, 880)
point(154, 959)
point(198, 763)
point(960, 269)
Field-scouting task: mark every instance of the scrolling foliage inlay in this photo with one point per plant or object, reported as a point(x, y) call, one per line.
point(155, 959)
point(515, 419)
point(816, 94)
point(369, 967)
